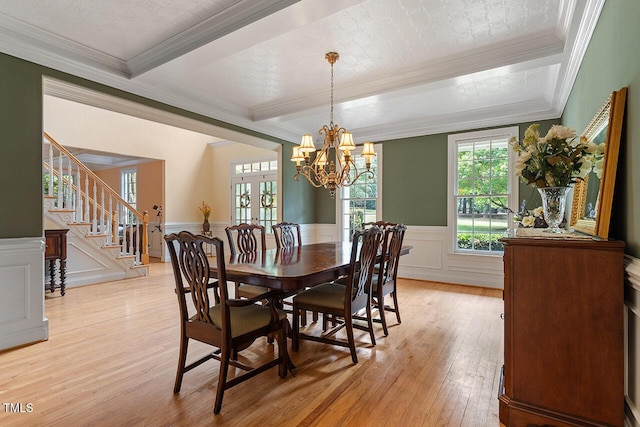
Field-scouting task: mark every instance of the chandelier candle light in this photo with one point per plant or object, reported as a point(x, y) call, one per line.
point(333, 165)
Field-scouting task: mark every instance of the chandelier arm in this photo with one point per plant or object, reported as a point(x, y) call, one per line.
point(317, 180)
point(349, 183)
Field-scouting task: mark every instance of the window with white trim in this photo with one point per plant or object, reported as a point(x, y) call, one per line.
point(362, 201)
point(254, 193)
point(129, 186)
point(129, 189)
point(482, 186)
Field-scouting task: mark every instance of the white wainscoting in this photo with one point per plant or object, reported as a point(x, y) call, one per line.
point(632, 342)
point(22, 318)
point(430, 257)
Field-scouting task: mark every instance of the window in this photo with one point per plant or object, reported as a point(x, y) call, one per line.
point(360, 203)
point(255, 193)
point(482, 187)
point(129, 190)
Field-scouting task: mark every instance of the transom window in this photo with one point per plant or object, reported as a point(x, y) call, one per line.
point(253, 167)
point(481, 188)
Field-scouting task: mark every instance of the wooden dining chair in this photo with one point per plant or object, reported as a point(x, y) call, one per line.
point(384, 282)
point(216, 319)
point(343, 301)
point(242, 238)
point(287, 235)
point(242, 241)
point(384, 225)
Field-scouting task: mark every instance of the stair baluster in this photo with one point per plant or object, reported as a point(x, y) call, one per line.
point(120, 224)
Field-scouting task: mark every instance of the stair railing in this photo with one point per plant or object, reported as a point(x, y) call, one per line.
point(98, 205)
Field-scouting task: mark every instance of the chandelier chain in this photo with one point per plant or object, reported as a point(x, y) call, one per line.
point(331, 117)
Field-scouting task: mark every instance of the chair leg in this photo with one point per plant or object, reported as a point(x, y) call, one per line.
point(282, 351)
point(395, 306)
point(296, 328)
point(303, 317)
point(381, 311)
point(370, 323)
point(352, 343)
point(182, 360)
point(222, 379)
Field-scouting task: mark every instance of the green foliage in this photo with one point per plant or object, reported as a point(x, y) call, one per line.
point(45, 180)
point(482, 170)
point(480, 242)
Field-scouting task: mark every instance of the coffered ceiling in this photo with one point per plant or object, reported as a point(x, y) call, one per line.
point(406, 67)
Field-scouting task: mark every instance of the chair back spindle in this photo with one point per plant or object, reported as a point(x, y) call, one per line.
point(364, 251)
point(245, 239)
point(287, 235)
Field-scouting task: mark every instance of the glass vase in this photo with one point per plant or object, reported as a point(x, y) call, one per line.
point(553, 204)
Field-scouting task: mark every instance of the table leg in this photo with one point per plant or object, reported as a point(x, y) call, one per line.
point(63, 275)
point(52, 276)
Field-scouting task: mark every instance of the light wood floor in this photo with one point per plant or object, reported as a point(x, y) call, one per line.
point(112, 354)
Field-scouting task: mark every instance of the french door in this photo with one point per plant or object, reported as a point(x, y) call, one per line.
point(255, 199)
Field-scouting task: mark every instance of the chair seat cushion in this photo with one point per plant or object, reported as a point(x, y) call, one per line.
point(325, 295)
point(251, 291)
point(245, 319)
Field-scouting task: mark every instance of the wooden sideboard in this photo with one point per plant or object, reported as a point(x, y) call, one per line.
point(56, 250)
point(563, 333)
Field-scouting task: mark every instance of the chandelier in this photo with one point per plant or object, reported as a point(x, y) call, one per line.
point(333, 165)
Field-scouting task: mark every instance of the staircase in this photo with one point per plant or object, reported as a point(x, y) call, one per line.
point(107, 238)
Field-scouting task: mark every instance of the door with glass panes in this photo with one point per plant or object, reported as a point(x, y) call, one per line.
point(254, 191)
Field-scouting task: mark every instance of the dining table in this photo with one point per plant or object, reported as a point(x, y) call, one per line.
point(291, 269)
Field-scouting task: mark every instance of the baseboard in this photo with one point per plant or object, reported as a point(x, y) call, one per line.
point(26, 336)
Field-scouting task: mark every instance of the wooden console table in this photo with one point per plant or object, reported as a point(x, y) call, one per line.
point(56, 249)
point(563, 333)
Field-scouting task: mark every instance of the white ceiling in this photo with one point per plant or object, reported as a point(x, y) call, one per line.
point(406, 68)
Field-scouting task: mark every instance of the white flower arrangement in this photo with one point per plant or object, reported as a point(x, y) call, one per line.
point(531, 218)
point(555, 160)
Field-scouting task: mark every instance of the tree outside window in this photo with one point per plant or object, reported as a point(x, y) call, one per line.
point(481, 191)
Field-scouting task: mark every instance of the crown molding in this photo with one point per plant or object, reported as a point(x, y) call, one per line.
point(228, 20)
point(579, 36)
point(508, 114)
point(96, 99)
point(27, 41)
point(524, 50)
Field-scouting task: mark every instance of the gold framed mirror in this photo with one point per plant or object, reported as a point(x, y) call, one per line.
point(593, 197)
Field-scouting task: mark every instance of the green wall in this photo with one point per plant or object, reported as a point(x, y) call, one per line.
point(21, 147)
point(611, 62)
point(299, 198)
point(415, 178)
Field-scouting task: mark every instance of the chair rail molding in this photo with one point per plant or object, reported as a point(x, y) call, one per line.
point(22, 318)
